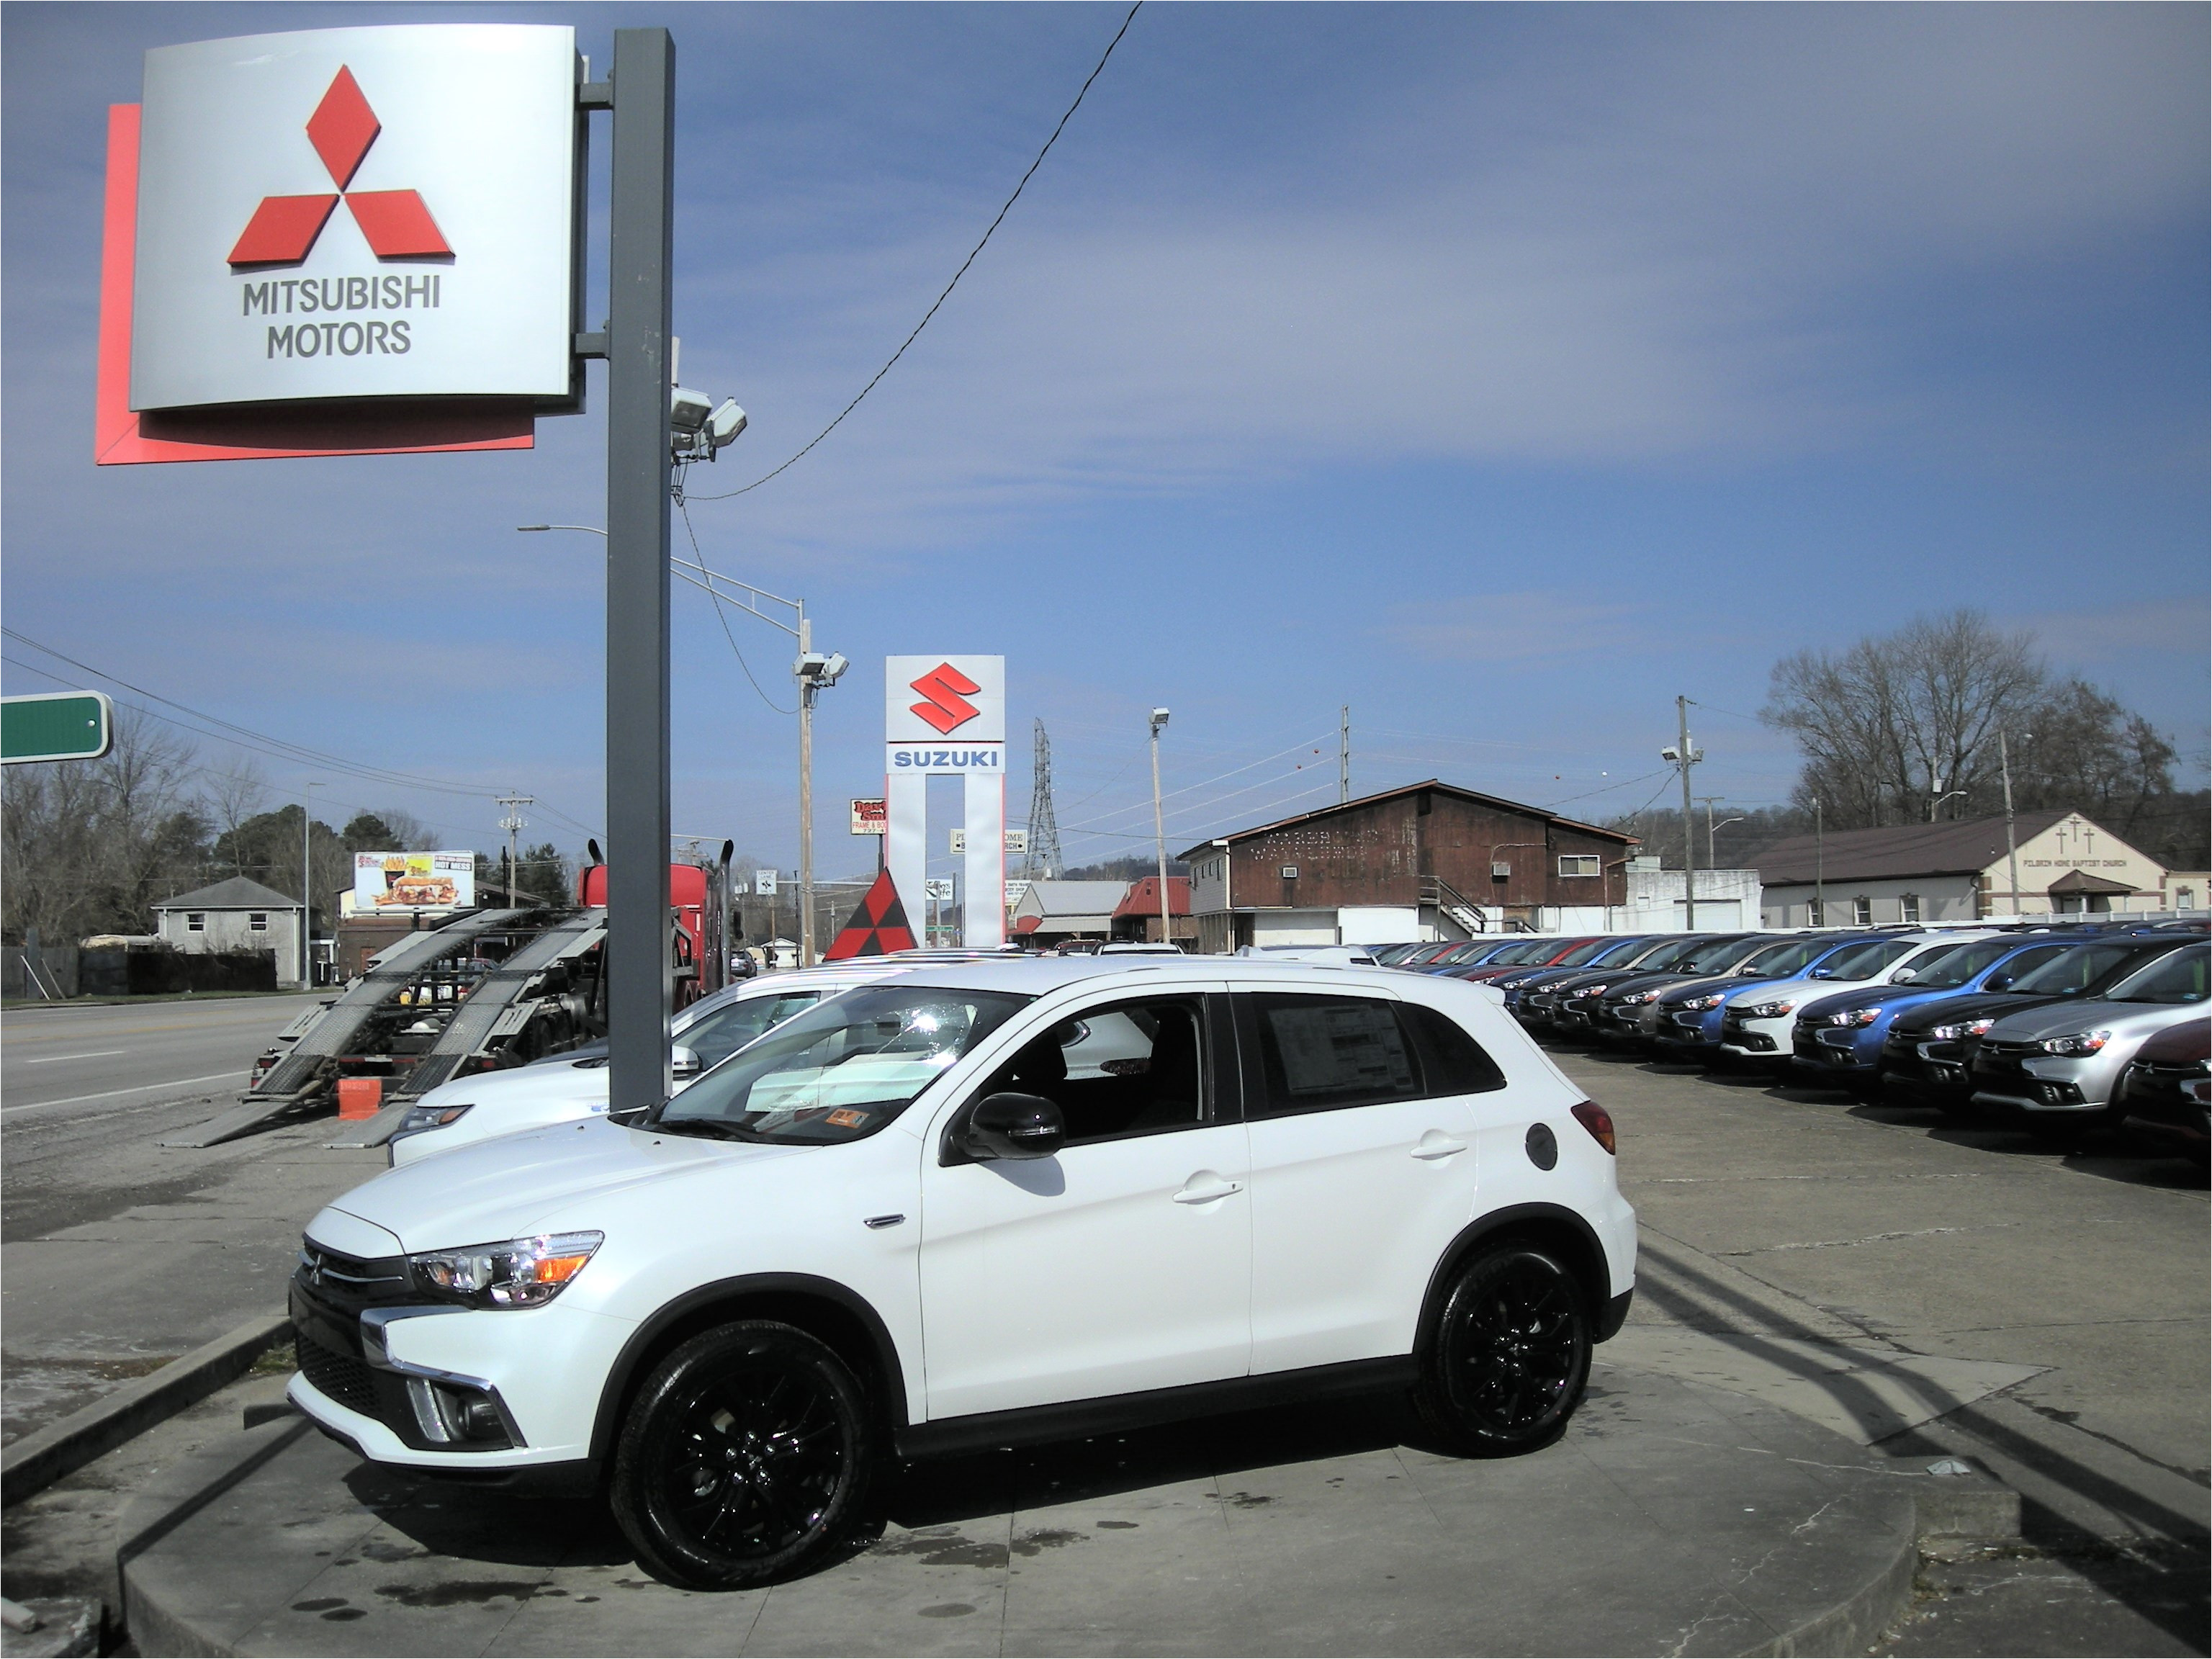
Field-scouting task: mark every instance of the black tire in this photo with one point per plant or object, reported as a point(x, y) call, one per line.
point(1511, 1356)
point(745, 1457)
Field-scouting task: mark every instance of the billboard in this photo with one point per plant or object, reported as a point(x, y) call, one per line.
point(356, 213)
point(869, 817)
point(401, 883)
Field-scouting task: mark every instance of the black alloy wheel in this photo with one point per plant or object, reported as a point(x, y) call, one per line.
point(1511, 1355)
point(745, 1456)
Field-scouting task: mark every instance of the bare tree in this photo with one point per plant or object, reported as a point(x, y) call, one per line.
point(90, 845)
point(1903, 728)
point(233, 795)
point(1891, 726)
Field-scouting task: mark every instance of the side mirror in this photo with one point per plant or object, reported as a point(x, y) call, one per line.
point(684, 1062)
point(1998, 982)
point(1823, 973)
point(1012, 1126)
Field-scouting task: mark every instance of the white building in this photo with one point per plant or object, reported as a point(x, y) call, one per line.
point(1928, 872)
point(237, 914)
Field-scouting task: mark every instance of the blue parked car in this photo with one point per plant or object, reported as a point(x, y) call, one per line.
point(1685, 1020)
point(1838, 1040)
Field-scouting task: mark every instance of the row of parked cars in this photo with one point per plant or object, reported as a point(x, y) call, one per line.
point(2063, 1031)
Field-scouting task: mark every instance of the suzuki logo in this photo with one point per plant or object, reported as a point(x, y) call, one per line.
point(947, 690)
point(397, 225)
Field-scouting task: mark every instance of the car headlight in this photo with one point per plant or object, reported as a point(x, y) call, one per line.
point(1964, 1029)
point(1586, 991)
point(420, 1118)
point(2076, 1042)
point(522, 1272)
point(1699, 1005)
point(1768, 1010)
point(1635, 997)
point(1853, 1016)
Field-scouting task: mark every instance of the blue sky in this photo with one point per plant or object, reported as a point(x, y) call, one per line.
point(1500, 371)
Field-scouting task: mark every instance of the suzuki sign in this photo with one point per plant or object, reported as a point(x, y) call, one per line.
point(947, 715)
point(356, 213)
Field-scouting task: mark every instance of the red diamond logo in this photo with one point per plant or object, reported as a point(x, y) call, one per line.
point(342, 128)
point(282, 229)
point(396, 223)
point(948, 691)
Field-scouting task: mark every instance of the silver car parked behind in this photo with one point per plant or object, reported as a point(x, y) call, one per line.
point(2056, 1067)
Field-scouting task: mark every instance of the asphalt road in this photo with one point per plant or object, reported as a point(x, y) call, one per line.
point(122, 1254)
point(77, 1062)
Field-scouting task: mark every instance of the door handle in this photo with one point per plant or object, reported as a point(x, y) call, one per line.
point(1435, 1145)
point(1205, 1187)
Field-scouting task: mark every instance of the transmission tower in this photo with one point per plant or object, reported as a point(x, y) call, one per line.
point(1042, 861)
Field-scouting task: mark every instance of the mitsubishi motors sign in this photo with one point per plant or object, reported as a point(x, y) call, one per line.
point(356, 213)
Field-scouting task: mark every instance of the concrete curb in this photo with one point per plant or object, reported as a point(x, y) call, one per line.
point(37, 1461)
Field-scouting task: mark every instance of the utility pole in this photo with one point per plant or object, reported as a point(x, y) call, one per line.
point(2012, 850)
point(1159, 830)
point(1689, 832)
point(1042, 860)
point(512, 821)
point(1819, 871)
point(1344, 754)
point(806, 685)
point(307, 885)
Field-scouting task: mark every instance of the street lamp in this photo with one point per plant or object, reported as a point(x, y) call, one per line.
point(1712, 829)
point(1159, 830)
point(813, 671)
point(1935, 806)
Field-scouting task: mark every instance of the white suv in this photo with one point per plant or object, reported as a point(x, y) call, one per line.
point(978, 1204)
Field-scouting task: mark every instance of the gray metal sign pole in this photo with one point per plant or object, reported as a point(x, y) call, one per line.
point(640, 980)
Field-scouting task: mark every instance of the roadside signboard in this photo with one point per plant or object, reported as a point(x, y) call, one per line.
point(1012, 840)
point(342, 241)
point(764, 883)
point(940, 889)
point(55, 726)
point(396, 883)
point(869, 817)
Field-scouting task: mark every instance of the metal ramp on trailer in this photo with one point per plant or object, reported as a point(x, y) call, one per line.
point(492, 1009)
point(333, 1034)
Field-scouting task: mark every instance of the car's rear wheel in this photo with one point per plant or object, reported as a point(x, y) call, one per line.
point(746, 1455)
point(1511, 1355)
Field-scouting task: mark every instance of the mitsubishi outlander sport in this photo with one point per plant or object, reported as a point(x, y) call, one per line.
point(977, 1203)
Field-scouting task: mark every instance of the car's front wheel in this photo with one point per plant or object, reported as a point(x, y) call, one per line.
point(1511, 1355)
point(745, 1456)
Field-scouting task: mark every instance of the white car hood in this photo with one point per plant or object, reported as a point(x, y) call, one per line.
point(527, 1083)
point(523, 1183)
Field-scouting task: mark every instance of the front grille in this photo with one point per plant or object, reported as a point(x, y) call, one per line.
point(337, 1377)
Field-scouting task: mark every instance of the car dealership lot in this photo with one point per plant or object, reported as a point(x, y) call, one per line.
point(2051, 1305)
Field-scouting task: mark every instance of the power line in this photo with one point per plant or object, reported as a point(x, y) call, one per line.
point(684, 507)
point(957, 274)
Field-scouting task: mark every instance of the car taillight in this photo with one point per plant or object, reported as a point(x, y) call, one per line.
point(1595, 1118)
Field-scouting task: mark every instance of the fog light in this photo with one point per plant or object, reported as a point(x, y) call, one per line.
point(459, 1417)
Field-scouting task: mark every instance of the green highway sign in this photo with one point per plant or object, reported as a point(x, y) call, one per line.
point(55, 726)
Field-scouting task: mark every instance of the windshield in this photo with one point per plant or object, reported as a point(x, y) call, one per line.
point(1620, 951)
point(2178, 978)
point(1786, 957)
point(842, 1070)
point(1589, 953)
point(1865, 961)
point(2074, 971)
point(715, 1036)
point(1718, 954)
point(1947, 967)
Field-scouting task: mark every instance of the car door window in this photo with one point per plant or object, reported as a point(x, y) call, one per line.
point(1128, 1068)
point(1320, 1053)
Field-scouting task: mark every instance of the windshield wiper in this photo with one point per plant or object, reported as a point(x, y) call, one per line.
point(707, 1129)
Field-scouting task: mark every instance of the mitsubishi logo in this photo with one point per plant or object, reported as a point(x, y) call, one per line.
point(395, 222)
point(947, 689)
